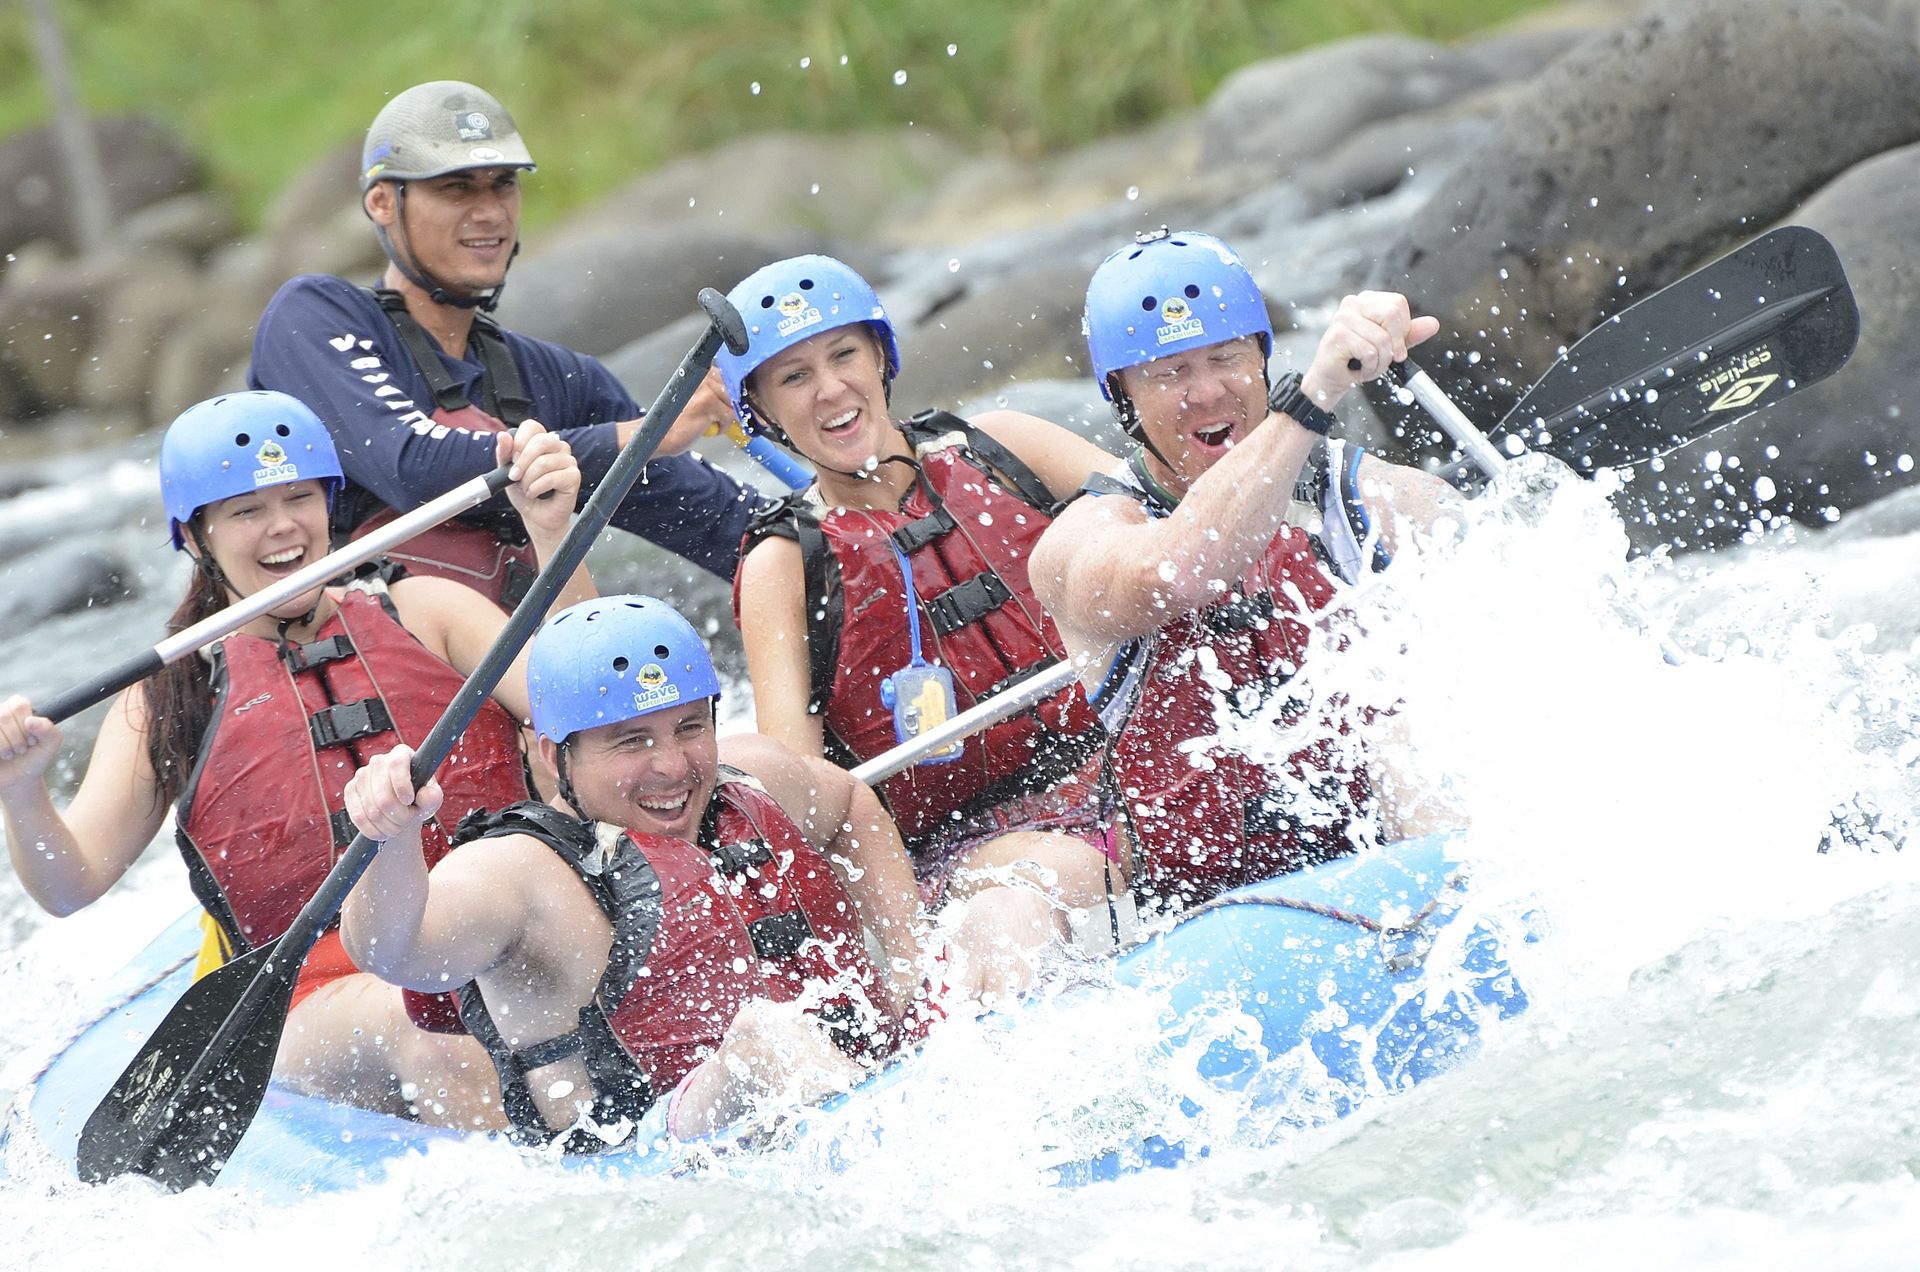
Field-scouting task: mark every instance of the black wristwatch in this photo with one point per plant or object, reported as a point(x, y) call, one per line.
point(1287, 398)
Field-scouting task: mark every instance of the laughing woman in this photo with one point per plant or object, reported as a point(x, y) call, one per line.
point(252, 743)
point(894, 592)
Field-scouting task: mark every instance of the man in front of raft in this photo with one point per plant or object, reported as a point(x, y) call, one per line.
point(1188, 589)
point(683, 928)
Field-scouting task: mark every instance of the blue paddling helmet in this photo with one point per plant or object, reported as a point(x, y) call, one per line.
point(1168, 292)
point(614, 658)
point(238, 443)
point(794, 300)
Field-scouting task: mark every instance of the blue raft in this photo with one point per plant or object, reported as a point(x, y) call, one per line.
point(1343, 982)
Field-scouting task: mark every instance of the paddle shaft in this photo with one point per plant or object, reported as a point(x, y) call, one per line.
point(469, 494)
point(294, 945)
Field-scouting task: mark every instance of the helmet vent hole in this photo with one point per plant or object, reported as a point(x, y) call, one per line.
point(283, 430)
point(1148, 302)
point(766, 302)
point(806, 284)
point(661, 651)
point(1193, 292)
point(620, 663)
point(241, 439)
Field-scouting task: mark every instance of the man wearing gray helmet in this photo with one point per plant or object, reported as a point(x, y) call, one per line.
point(411, 377)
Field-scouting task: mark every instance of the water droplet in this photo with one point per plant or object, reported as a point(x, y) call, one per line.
point(1133, 192)
point(1904, 463)
point(843, 59)
point(952, 49)
point(805, 62)
point(953, 265)
point(756, 88)
point(899, 77)
point(1763, 488)
point(814, 188)
point(986, 518)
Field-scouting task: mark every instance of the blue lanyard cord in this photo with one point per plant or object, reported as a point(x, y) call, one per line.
point(913, 603)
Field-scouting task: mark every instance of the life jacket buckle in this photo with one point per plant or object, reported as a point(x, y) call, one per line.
point(780, 936)
point(967, 602)
point(738, 858)
point(316, 653)
point(918, 534)
point(349, 722)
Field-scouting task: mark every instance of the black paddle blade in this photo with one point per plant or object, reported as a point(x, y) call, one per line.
point(179, 1109)
point(1723, 342)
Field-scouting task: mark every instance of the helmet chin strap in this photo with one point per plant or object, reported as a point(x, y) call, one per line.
point(411, 271)
point(563, 783)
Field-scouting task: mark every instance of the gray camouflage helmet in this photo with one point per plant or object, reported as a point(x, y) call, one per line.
point(433, 129)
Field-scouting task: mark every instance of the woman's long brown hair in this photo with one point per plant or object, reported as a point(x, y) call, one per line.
point(180, 696)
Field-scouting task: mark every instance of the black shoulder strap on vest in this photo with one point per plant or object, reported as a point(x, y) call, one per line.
point(500, 380)
point(1020, 479)
point(500, 374)
point(628, 891)
point(826, 607)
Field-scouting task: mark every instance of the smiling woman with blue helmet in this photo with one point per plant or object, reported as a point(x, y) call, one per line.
point(893, 593)
point(253, 742)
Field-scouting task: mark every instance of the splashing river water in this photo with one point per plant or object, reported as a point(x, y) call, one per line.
point(1716, 1070)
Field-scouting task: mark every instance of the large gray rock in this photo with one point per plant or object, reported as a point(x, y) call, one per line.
point(144, 163)
point(777, 184)
point(1284, 111)
point(1021, 327)
point(1840, 444)
point(141, 314)
point(1634, 157)
point(597, 293)
point(61, 580)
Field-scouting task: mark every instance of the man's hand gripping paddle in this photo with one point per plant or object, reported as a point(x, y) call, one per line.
point(178, 1111)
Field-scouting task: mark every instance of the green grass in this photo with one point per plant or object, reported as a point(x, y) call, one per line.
point(607, 88)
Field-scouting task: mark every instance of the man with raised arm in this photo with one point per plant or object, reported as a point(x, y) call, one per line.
point(414, 375)
point(685, 925)
point(1187, 589)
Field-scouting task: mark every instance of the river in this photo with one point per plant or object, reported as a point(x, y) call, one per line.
point(1717, 1069)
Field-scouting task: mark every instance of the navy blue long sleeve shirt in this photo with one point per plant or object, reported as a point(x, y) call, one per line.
point(327, 342)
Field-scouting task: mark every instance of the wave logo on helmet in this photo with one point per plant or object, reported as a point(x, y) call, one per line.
point(274, 466)
point(472, 125)
point(1180, 324)
point(655, 691)
point(796, 314)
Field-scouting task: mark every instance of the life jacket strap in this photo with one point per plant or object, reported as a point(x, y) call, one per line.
point(342, 828)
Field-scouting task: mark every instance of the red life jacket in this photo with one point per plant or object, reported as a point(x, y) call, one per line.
point(1204, 823)
point(486, 551)
point(967, 526)
point(751, 911)
point(262, 818)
